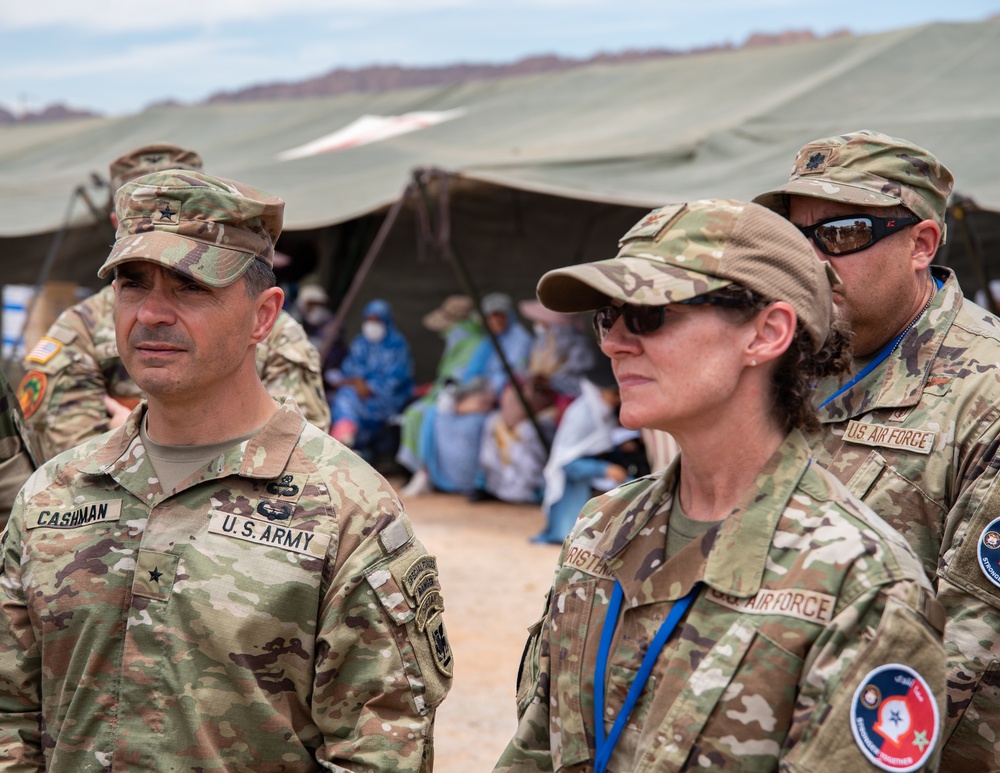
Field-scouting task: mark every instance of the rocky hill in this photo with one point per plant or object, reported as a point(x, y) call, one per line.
point(386, 77)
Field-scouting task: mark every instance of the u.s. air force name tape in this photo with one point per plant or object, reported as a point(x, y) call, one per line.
point(787, 602)
point(919, 441)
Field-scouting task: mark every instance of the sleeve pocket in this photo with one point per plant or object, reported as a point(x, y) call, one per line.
point(406, 584)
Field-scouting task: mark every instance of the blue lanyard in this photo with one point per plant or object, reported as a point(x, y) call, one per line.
point(879, 358)
point(604, 747)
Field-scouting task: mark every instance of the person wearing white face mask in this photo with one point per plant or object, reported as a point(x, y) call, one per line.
point(376, 381)
point(312, 309)
point(373, 330)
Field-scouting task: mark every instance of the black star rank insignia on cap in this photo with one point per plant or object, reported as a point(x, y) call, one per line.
point(167, 213)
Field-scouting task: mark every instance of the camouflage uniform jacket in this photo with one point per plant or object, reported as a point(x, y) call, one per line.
point(274, 613)
point(804, 593)
point(917, 440)
point(17, 459)
point(77, 363)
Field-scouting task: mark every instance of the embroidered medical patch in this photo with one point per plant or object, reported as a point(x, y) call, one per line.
point(989, 552)
point(920, 441)
point(84, 515)
point(44, 350)
point(801, 604)
point(894, 718)
point(272, 535)
point(31, 391)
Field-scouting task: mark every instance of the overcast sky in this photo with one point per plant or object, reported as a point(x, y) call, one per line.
point(117, 57)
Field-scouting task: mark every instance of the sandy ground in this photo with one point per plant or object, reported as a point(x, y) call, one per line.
point(494, 585)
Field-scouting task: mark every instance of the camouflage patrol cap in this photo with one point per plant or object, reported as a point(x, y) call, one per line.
point(681, 251)
point(869, 169)
point(150, 158)
point(206, 227)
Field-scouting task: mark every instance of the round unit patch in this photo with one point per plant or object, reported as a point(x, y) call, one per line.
point(31, 391)
point(894, 718)
point(989, 552)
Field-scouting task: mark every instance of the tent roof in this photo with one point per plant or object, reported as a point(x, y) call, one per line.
point(722, 124)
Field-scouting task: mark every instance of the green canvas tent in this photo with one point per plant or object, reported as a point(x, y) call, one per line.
point(523, 174)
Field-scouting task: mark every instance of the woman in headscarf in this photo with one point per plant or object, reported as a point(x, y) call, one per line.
point(740, 610)
point(462, 332)
point(376, 379)
point(452, 430)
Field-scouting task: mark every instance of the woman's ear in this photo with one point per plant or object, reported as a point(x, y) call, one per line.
point(774, 329)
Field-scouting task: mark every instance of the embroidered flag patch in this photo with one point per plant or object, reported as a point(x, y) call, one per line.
point(44, 350)
point(894, 718)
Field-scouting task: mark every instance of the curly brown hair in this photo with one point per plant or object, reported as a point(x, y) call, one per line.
point(799, 367)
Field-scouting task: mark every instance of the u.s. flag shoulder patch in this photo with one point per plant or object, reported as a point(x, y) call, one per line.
point(44, 350)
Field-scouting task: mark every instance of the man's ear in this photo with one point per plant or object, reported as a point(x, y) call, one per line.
point(774, 329)
point(925, 237)
point(269, 305)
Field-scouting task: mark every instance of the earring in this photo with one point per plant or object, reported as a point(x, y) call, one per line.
point(753, 363)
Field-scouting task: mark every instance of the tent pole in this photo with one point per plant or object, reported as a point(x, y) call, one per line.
point(444, 245)
point(361, 274)
point(50, 257)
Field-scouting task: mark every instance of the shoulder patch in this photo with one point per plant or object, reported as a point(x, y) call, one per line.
point(988, 551)
point(894, 718)
point(44, 350)
point(31, 391)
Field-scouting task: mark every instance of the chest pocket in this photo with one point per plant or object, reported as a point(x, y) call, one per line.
point(967, 569)
point(569, 632)
point(901, 502)
point(737, 704)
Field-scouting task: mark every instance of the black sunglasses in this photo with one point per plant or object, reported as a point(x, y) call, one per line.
point(643, 320)
point(836, 236)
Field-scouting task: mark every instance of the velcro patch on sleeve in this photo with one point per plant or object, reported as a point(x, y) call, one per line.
point(44, 350)
point(31, 392)
point(894, 718)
